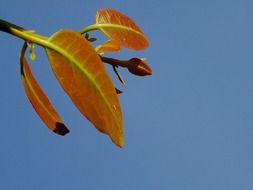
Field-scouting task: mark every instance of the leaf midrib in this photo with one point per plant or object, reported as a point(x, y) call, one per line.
point(72, 60)
point(118, 26)
point(29, 83)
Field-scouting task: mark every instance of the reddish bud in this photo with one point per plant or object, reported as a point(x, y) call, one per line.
point(139, 67)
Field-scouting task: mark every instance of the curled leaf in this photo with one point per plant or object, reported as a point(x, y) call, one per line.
point(110, 45)
point(40, 102)
point(139, 67)
point(120, 27)
point(82, 75)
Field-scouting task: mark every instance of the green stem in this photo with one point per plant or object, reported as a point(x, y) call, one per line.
point(32, 37)
point(89, 28)
point(5, 26)
point(27, 35)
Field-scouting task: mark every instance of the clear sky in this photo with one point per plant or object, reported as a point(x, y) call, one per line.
point(187, 127)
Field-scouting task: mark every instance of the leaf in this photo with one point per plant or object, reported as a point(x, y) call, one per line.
point(40, 102)
point(82, 75)
point(110, 45)
point(120, 27)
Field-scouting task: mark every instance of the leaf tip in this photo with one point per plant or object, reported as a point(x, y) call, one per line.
point(61, 129)
point(118, 91)
point(119, 142)
point(118, 139)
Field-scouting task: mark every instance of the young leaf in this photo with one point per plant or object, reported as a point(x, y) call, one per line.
point(82, 75)
point(120, 27)
point(110, 45)
point(40, 102)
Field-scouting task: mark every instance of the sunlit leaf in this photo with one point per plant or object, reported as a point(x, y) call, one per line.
point(40, 102)
point(110, 45)
point(120, 27)
point(82, 75)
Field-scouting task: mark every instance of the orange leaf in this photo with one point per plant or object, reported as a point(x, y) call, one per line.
point(82, 75)
point(40, 102)
point(110, 45)
point(120, 27)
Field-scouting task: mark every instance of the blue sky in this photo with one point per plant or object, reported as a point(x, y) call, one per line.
point(189, 126)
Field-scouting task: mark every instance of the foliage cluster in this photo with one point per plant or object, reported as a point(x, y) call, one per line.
point(79, 68)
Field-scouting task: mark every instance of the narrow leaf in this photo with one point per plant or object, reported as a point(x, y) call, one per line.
point(82, 75)
point(120, 27)
point(40, 102)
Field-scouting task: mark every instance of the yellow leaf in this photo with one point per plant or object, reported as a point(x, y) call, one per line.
point(110, 45)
